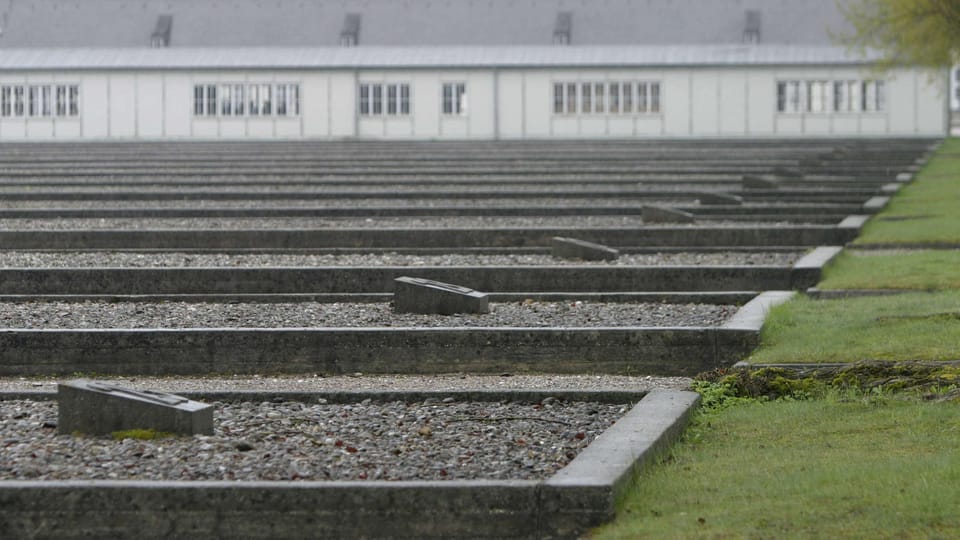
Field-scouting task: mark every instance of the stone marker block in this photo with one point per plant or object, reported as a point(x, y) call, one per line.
point(99, 408)
point(904, 177)
point(659, 214)
point(710, 199)
point(417, 295)
point(760, 181)
point(571, 248)
point(788, 172)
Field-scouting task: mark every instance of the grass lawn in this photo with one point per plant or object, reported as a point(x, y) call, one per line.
point(868, 468)
point(874, 466)
point(925, 211)
point(924, 270)
point(916, 326)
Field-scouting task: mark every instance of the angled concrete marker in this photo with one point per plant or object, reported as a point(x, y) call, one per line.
point(100, 408)
point(418, 295)
point(719, 199)
point(760, 181)
point(572, 248)
point(659, 214)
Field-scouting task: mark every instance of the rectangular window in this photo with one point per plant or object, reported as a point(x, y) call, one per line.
point(627, 97)
point(392, 99)
point(33, 96)
point(454, 99)
point(211, 109)
point(73, 100)
point(817, 96)
point(364, 99)
point(643, 99)
point(404, 99)
point(266, 100)
point(238, 100)
point(572, 98)
point(655, 97)
point(614, 97)
point(872, 95)
point(226, 100)
point(281, 100)
point(376, 102)
point(598, 97)
point(586, 98)
point(61, 100)
point(18, 105)
point(46, 100)
point(557, 98)
point(6, 101)
point(253, 100)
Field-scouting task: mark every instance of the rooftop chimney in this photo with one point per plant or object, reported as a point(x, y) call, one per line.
point(350, 35)
point(751, 31)
point(563, 29)
point(161, 33)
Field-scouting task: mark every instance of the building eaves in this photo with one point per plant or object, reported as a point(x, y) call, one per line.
point(423, 57)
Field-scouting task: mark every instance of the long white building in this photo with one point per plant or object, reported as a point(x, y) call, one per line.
point(749, 85)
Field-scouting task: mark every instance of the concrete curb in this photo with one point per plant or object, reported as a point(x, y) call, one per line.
point(577, 498)
point(752, 316)
point(380, 279)
point(809, 269)
point(797, 235)
point(638, 350)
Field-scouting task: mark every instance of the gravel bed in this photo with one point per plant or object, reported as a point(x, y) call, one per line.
point(295, 189)
point(429, 440)
point(452, 222)
point(28, 259)
point(59, 315)
point(360, 382)
point(358, 203)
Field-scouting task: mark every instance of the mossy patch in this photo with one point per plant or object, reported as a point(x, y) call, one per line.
point(140, 434)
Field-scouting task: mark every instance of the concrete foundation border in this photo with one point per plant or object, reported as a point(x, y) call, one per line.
point(580, 496)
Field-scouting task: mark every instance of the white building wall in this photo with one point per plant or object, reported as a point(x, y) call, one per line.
point(509, 104)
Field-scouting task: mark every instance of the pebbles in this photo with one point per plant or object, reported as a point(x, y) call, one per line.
point(200, 224)
point(430, 440)
point(115, 259)
point(83, 315)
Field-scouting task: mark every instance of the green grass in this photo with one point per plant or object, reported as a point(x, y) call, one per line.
point(915, 326)
point(871, 468)
point(925, 270)
point(925, 211)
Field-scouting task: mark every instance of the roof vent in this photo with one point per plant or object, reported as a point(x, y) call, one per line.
point(350, 35)
point(161, 33)
point(563, 29)
point(751, 32)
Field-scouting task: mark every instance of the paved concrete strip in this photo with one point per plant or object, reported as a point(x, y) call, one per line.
point(753, 315)
point(583, 493)
point(564, 506)
point(875, 204)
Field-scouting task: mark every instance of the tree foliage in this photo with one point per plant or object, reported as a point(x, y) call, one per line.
point(905, 32)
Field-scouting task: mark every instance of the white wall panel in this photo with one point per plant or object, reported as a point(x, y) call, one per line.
point(342, 104)
point(315, 105)
point(675, 103)
point(510, 98)
point(123, 105)
point(94, 108)
point(538, 103)
point(704, 104)
point(930, 107)
point(761, 100)
point(178, 105)
point(733, 103)
point(150, 104)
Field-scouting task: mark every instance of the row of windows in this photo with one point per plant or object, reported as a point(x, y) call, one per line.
point(389, 99)
point(606, 98)
point(826, 96)
point(48, 100)
point(246, 100)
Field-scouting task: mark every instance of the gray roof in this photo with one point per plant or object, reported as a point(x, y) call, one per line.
point(318, 23)
point(403, 57)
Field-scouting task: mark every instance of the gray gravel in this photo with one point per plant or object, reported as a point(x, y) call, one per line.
point(457, 222)
point(299, 201)
point(31, 259)
point(430, 440)
point(59, 315)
